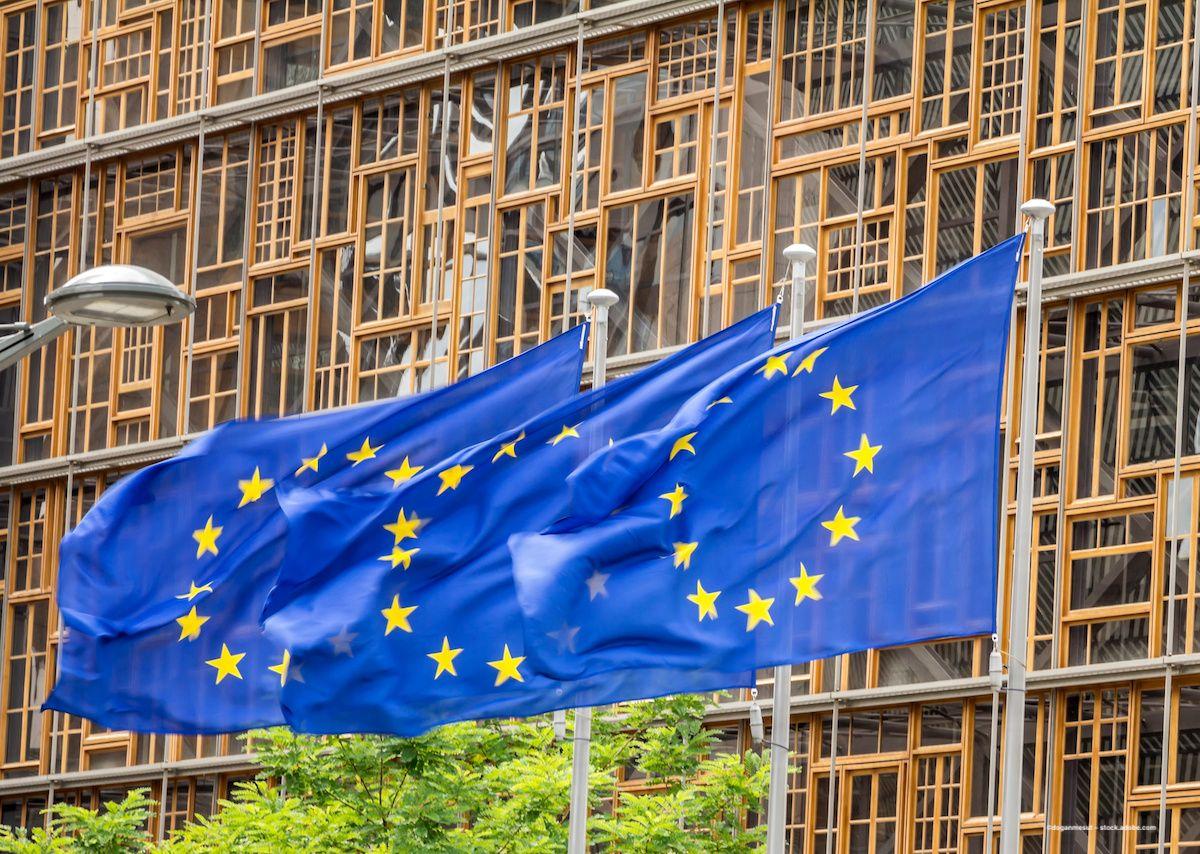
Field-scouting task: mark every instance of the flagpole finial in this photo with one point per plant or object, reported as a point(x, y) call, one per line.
point(1036, 209)
point(602, 298)
point(799, 252)
point(799, 255)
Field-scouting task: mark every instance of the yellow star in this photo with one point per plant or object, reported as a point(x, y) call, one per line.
point(254, 488)
point(404, 528)
point(775, 365)
point(839, 396)
point(864, 455)
point(397, 616)
point(452, 477)
point(567, 432)
point(444, 658)
point(683, 554)
point(706, 601)
point(206, 538)
point(400, 557)
point(809, 362)
point(683, 443)
point(506, 667)
point(195, 591)
point(189, 625)
point(407, 471)
point(806, 585)
point(841, 526)
point(227, 664)
point(676, 496)
point(282, 667)
point(508, 449)
point(311, 463)
point(719, 401)
point(757, 610)
point(364, 453)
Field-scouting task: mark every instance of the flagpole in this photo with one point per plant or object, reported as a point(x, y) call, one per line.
point(1038, 210)
point(602, 299)
point(799, 255)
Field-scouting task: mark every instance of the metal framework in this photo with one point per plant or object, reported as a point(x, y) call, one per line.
point(888, 184)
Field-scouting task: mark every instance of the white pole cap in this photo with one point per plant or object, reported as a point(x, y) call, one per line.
point(602, 298)
point(1037, 208)
point(799, 252)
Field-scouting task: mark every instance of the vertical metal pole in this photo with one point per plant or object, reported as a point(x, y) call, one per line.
point(316, 231)
point(489, 301)
point(996, 677)
point(248, 199)
point(436, 286)
point(781, 731)
point(602, 299)
point(863, 128)
point(711, 202)
point(162, 807)
point(831, 802)
point(1173, 531)
point(1173, 512)
point(61, 720)
point(580, 767)
point(1018, 618)
point(573, 180)
point(798, 254)
point(315, 228)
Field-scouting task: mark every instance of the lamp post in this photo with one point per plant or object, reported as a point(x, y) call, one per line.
point(110, 295)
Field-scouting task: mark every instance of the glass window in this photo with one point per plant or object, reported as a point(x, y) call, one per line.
point(647, 262)
point(534, 125)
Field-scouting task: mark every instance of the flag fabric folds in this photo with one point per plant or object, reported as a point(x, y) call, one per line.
point(163, 582)
point(837, 494)
point(413, 620)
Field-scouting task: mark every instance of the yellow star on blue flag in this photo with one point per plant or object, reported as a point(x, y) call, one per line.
point(164, 582)
point(877, 460)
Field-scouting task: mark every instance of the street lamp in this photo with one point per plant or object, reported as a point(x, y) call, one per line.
point(110, 295)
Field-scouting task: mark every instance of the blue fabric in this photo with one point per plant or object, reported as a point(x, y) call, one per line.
point(453, 595)
point(127, 570)
point(869, 526)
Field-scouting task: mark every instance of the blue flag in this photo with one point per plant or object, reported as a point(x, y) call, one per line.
point(838, 494)
point(413, 620)
point(163, 583)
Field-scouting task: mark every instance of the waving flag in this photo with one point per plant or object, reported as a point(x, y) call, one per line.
point(163, 583)
point(412, 619)
point(837, 494)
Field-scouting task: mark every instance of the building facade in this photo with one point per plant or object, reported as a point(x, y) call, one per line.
point(375, 197)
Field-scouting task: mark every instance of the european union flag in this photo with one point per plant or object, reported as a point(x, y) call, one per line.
point(413, 620)
point(837, 494)
point(162, 584)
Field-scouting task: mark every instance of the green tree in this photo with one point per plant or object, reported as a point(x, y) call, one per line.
point(696, 801)
point(261, 818)
point(475, 787)
point(118, 827)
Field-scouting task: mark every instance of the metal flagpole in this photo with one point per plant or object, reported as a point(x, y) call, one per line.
point(798, 254)
point(602, 299)
point(1038, 210)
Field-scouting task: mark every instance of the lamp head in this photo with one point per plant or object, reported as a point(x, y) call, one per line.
point(119, 295)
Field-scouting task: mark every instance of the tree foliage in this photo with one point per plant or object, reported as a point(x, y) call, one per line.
point(118, 827)
point(478, 787)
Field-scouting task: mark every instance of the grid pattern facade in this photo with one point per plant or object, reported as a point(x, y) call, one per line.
point(349, 240)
